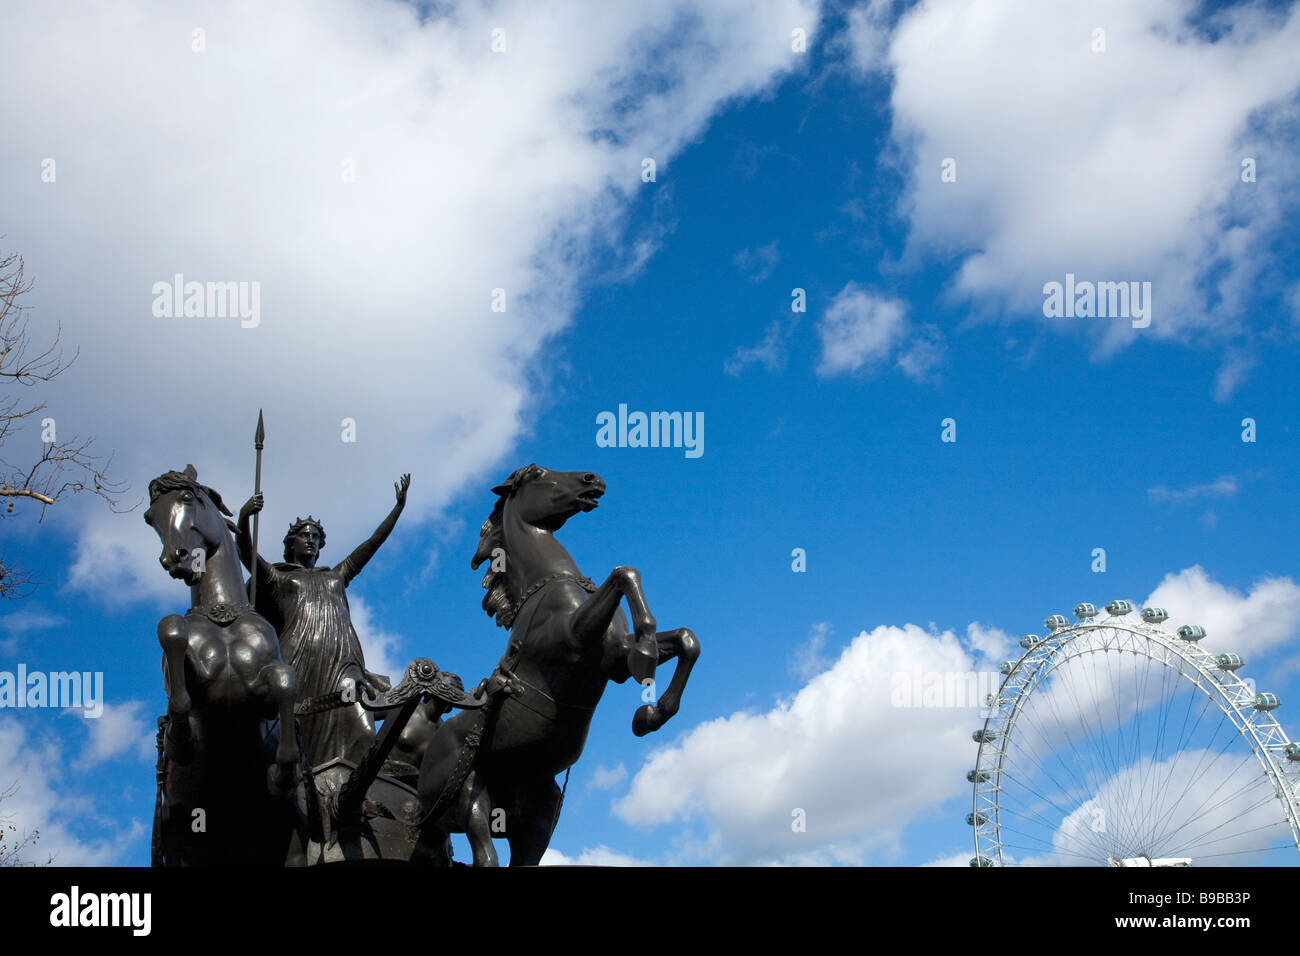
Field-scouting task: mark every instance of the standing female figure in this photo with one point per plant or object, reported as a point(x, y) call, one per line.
point(309, 606)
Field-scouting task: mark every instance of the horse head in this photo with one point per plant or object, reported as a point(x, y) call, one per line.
point(547, 499)
point(189, 518)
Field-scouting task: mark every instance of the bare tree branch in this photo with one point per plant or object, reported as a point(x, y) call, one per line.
point(11, 844)
point(63, 468)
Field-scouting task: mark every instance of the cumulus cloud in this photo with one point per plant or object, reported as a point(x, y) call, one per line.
point(595, 856)
point(1215, 807)
point(378, 203)
point(1121, 165)
point(844, 749)
point(863, 329)
point(839, 750)
point(1263, 619)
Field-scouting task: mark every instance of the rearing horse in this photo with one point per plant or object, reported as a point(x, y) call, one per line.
point(224, 677)
point(568, 638)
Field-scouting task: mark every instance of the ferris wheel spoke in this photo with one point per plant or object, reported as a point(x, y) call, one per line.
point(1183, 741)
point(1201, 811)
point(1147, 799)
point(1197, 771)
point(1197, 774)
point(1236, 836)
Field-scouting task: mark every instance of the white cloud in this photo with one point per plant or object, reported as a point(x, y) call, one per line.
point(1225, 486)
point(381, 648)
point(957, 859)
point(120, 729)
point(863, 329)
point(47, 800)
point(607, 778)
point(809, 658)
point(869, 27)
point(839, 750)
point(769, 352)
point(28, 620)
point(1244, 624)
point(473, 171)
point(595, 856)
point(1119, 166)
point(1234, 371)
point(844, 754)
point(1213, 806)
point(757, 264)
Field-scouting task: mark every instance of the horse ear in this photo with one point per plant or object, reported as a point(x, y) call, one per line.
point(190, 473)
point(516, 478)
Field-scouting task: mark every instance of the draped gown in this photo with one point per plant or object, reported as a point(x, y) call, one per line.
point(318, 641)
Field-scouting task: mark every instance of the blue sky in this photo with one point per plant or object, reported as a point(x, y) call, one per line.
point(775, 171)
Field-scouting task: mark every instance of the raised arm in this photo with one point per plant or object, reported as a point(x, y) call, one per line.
point(244, 541)
point(358, 559)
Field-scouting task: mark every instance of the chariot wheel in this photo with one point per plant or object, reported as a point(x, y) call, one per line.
point(1112, 741)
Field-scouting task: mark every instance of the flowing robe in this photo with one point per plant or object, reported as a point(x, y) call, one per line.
point(318, 641)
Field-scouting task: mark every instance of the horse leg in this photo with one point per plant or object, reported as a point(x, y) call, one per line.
point(281, 683)
point(174, 636)
point(592, 617)
point(433, 848)
point(685, 646)
point(533, 821)
point(476, 809)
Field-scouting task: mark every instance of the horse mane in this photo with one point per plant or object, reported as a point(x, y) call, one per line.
point(184, 481)
point(497, 603)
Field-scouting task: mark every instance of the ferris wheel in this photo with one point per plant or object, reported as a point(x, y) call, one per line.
point(1112, 741)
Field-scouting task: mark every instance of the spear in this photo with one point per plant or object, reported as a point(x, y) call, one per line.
point(258, 438)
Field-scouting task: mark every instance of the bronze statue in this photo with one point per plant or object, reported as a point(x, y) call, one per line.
point(229, 757)
point(309, 606)
point(227, 752)
point(568, 639)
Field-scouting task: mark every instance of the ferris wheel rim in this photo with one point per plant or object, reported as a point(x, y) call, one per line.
point(1042, 658)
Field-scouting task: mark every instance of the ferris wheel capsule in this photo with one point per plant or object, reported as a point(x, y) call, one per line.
point(1006, 667)
point(982, 776)
point(983, 736)
point(1266, 702)
point(1155, 615)
point(1082, 611)
point(1228, 662)
point(1030, 641)
point(976, 819)
point(981, 861)
point(1056, 622)
point(1191, 632)
point(1292, 751)
point(1119, 608)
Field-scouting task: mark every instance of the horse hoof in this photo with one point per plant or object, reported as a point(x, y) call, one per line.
point(645, 720)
